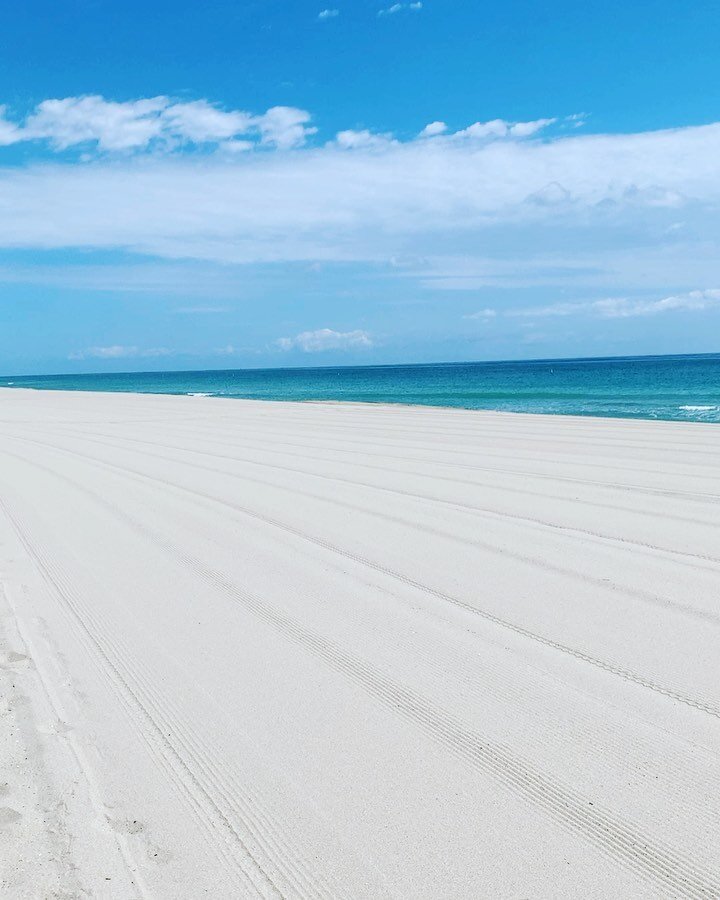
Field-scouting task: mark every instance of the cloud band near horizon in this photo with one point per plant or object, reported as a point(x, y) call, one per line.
point(598, 226)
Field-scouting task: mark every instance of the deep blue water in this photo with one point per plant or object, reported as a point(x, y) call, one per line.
point(685, 388)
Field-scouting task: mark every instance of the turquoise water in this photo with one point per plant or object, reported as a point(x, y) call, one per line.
point(685, 388)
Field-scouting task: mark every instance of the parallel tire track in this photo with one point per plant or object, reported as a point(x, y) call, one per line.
point(110, 663)
point(673, 872)
point(198, 783)
point(698, 703)
point(602, 583)
point(682, 556)
point(258, 445)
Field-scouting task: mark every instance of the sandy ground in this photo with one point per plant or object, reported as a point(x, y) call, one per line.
point(265, 649)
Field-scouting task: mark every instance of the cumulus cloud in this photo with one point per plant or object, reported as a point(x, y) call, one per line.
point(363, 140)
point(163, 124)
point(201, 122)
point(114, 126)
point(499, 128)
point(325, 339)
point(478, 132)
point(156, 122)
point(284, 127)
point(631, 218)
point(328, 14)
point(118, 351)
point(433, 129)
point(591, 203)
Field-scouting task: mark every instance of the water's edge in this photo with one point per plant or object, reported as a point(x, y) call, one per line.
point(671, 388)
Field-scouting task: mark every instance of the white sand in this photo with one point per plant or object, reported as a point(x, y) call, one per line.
point(264, 649)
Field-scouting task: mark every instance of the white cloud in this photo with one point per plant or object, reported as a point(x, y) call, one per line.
point(499, 128)
point(325, 339)
point(163, 124)
point(201, 122)
point(114, 126)
point(365, 140)
point(527, 129)
point(153, 122)
point(498, 205)
point(433, 129)
point(284, 127)
point(201, 310)
point(576, 120)
point(553, 309)
point(566, 209)
point(118, 351)
point(624, 307)
point(8, 130)
point(328, 14)
point(482, 314)
point(398, 7)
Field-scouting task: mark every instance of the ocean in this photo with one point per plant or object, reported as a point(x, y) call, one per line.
point(680, 388)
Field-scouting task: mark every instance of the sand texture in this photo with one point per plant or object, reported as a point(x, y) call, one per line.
point(342, 651)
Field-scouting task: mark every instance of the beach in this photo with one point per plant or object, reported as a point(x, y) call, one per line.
point(337, 650)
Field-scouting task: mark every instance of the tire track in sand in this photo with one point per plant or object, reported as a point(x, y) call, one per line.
point(673, 872)
point(683, 557)
point(699, 703)
point(198, 783)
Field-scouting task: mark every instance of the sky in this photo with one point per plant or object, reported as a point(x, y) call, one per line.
point(229, 184)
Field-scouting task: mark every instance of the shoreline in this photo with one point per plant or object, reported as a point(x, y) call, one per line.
point(373, 404)
point(677, 388)
point(335, 649)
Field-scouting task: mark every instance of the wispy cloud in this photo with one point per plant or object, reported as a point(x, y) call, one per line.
point(8, 129)
point(497, 203)
point(201, 310)
point(118, 351)
point(623, 308)
point(275, 206)
point(612, 307)
point(399, 7)
point(153, 123)
point(326, 339)
point(482, 314)
point(328, 14)
point(231, 210)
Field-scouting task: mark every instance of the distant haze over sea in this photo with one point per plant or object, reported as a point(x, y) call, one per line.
point(683, 388)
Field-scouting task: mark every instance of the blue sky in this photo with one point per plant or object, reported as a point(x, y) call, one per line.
point(248, 184)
